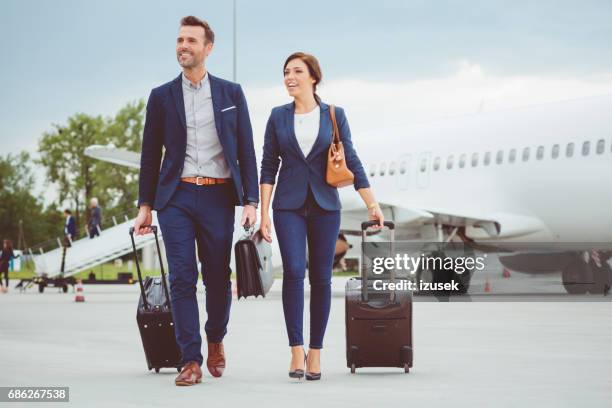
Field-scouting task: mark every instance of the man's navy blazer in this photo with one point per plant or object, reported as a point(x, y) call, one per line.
point(165, 126)
point(70, 228)
point(298, 171)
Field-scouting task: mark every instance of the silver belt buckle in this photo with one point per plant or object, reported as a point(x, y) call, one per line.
point(198, 182)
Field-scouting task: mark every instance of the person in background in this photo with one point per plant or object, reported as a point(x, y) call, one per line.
point(95, 219)
point(69, 228)
point(6, 255)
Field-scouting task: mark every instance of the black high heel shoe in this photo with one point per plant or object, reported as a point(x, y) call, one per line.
point(298, 373)
point(312, 376)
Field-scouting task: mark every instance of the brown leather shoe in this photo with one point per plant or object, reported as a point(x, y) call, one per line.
point(216, 359)
point(190, 374)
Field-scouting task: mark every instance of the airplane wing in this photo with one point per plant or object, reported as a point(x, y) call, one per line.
point(112, 154)
point(419, 222)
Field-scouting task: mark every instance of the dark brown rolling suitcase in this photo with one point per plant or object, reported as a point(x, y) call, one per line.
point(378, 328)
point(154, 317)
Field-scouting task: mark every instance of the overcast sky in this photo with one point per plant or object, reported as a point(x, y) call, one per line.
point(401, 60)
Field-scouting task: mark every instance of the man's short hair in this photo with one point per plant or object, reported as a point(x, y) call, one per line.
point(67, 211)
point(209, 35)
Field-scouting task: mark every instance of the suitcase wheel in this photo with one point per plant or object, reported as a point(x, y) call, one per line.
point(157, 369)
point(406, 368)
point(353, 368)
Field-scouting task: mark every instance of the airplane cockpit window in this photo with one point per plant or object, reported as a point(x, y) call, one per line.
point(586, 148)
point(392, 168)
point(555, 151)
point(373, 170)
point(474, 159)
point(487, 159)
point(500, 157)
point(540, 153)
point(462, 160)
point(423, 165)
point(402, 167)
point(601, 146)
point(436, 165)
point(526, 154)
point(449, 162)
point(383, 169)
point(569, 150)
point(512, 156)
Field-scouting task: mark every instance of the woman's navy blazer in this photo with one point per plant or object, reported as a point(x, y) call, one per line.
point(298, 171)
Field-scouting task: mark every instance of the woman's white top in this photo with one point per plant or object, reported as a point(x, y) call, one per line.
point(307, 128)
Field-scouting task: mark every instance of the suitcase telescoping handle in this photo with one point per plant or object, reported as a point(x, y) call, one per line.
point(161, 265)
point(364, 273)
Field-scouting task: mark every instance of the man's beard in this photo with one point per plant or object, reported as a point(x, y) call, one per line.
point(188, 63)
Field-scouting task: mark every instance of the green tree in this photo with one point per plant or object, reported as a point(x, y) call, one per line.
point(79, 177)
point(18, 204)
point(62, 154)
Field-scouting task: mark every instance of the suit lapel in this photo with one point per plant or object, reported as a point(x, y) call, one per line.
point(215, 92)
point(177, 95)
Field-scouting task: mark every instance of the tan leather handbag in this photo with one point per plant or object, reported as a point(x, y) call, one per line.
point(338, 174)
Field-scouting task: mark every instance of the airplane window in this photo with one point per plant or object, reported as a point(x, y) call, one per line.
point(569, 150)
point(512, 156)
point(383, 169)
point(392, 169)
point(474, 159)
point(403, 167)
point(586, 148)
point(601, 146)
point(462, 161)
point(555, 151)
point(423, 165)
point(449, 162)
point(525, 154)
point(436, 164)
point(500, 157)
point(373, 170)
point(487, 158)
point(540, 153)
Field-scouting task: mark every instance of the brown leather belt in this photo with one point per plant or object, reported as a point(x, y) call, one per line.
point(205, 181)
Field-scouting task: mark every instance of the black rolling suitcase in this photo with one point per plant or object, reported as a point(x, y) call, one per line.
point(378, 328)
point(154, 317)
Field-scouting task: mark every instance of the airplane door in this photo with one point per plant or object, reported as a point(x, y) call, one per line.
point(404, 171)
point(423, 168)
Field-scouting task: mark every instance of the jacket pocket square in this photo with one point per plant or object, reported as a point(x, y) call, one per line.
point(229, 108)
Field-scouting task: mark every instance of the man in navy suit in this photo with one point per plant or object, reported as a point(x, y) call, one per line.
point(208, 168)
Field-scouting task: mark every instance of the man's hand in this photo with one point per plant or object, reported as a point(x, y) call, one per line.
point(249, 213)
point(144, 217)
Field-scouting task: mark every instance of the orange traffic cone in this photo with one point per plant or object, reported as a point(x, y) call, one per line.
point(80, 297)
point(506, 273)
point(487, 287)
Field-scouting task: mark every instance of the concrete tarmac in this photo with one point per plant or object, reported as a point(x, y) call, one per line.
point(499, 354)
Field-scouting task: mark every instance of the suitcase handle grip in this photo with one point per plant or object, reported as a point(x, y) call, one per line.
point(161, 265)
point(367, 224)
point(153, 228)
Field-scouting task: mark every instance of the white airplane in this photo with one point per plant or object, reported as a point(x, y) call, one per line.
point(537, 175)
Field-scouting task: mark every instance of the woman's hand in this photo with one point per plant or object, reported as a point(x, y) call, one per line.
point(265, 228)
point(375, 213)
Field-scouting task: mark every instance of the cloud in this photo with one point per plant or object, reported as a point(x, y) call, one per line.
point(469, 90)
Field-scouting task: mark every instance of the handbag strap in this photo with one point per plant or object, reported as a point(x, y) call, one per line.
point(336, 133)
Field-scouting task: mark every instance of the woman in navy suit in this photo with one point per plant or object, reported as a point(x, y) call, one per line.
point(306, 208)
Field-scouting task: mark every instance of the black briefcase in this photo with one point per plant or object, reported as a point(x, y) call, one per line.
point(249, 267)
point(154, 317)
